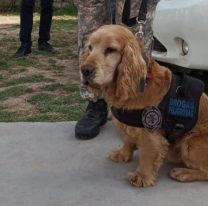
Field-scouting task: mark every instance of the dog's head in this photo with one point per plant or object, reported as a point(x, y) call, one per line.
point(113, 54)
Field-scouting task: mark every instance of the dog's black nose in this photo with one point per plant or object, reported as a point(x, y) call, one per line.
point(87, 70)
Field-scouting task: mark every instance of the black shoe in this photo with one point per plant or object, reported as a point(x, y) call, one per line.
point(95, 116)
point(45, 46)
point(23, 51)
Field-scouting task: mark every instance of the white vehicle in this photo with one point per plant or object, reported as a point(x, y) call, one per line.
point(181, 33)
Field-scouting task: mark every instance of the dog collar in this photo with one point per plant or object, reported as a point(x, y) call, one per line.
point(149, 71)
point(149, 74)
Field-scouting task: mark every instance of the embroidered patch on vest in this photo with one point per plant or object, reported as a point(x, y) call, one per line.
point(181, 107)
point(151, 118)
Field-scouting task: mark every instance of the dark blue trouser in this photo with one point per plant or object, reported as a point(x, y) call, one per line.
point(26, 21)
point(113, 11)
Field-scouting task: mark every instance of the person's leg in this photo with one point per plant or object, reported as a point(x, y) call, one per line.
point(91, 15)
point(147, 37)
point(45, 25)
point(113, 11)
point(26, 24)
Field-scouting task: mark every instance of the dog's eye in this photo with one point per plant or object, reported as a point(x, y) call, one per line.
point(90, 47)
point(109, 50)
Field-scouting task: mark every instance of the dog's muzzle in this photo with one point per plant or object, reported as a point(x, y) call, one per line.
point(88, 73)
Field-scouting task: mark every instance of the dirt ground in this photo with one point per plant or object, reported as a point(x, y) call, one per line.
point(5, 20)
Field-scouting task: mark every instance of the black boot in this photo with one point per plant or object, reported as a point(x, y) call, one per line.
point(95, 116)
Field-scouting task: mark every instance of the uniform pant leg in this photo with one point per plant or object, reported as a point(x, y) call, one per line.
point(91, 15)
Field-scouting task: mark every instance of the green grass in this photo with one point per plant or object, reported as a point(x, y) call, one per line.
point(28, 79)
point(7, 116)
point(67, 10)
point(67, 88)
point(50, 106)
point(55, 67)
point(14, 92)
point(62, 105)
point(4, 65)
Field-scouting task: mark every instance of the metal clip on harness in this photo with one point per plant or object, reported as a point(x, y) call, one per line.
point(140, 33)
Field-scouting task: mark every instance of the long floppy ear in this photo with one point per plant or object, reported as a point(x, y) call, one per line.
point(131, 71)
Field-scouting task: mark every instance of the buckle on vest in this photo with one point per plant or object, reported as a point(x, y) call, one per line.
point(177, 131)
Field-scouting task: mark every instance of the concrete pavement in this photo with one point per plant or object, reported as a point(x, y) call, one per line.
point(42, 164)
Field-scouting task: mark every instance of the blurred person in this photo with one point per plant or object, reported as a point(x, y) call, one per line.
point(113, 11)
point(26, 26)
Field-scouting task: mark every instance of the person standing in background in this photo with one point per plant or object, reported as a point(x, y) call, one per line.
point(113, 11)
point(26, 25)
point(91, 15)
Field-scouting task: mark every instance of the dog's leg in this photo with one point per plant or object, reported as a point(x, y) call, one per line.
point(153, 149)
point(194, 154)
point(125, 154)
point(188, 175)
point(174, 154)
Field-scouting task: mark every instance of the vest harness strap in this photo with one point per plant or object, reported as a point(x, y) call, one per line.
point(127, 10)
point(176, 114)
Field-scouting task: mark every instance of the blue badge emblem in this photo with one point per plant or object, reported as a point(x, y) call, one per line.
point(151, 118)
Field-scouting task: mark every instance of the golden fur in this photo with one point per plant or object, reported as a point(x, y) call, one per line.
point(113, 65)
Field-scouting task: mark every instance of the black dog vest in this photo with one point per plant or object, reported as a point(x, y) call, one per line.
point(176, 114)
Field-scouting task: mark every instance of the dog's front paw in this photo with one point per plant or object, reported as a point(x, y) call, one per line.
point(118, 156)
point(139, 180)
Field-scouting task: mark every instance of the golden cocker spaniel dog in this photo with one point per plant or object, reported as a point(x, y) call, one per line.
point(113, 65)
